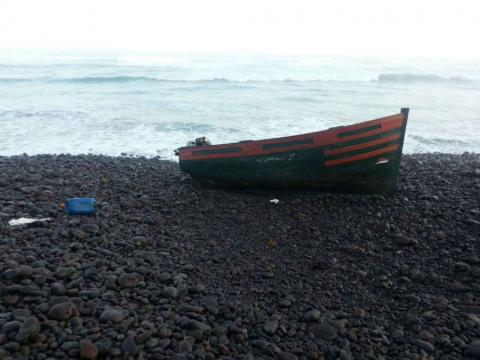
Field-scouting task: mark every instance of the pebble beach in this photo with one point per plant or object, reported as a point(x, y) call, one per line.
point(168, 269)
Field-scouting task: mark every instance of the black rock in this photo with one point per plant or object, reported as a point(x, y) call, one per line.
point(170, 292)
point(28, 330)
point(129, 347)
point(323, 331)
point(270, 327)
point(11, 326)
point(128, 280)
point(287, 356)
point(114, 315)
point(79, 234)
point(62, 311)
point(404, 240)
point(424, 345)
point(474, 348)
point(312, 315)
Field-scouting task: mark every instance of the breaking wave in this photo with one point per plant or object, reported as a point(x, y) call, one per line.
point(410, 77)
point(111, 79)
point(382, 78)
point(127, 79)
point(106, 79)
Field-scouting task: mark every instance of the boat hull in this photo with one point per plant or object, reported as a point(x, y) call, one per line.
point(364, 157)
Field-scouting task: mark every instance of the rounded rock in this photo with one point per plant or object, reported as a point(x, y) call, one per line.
point(424, 345)
point(129, 346)
point(474, 348)
point(323, 331)
point(170, 292)
point(62, 311)
point(312, 315)
point(287, 356)
point(28, 330)
point(88, 350)
point(128, 280)
point(270, 327)
point(114, 315)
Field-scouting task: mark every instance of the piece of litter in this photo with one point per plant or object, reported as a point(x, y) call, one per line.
point(274, 201)
point(25, 221)
point(80, 206)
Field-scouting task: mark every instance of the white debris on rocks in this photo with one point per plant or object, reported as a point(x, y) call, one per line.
point(26, 221)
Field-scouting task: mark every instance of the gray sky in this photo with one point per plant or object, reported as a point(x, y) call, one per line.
point(342, 27)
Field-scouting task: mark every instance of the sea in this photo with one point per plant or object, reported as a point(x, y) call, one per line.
point(150, 104)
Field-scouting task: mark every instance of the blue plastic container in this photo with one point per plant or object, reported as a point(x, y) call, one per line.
point(80, 206)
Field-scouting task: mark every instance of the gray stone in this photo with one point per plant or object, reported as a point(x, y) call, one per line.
point(143, 337)
point(474, 348)
point(270, 327)
point(170, 292)
point(287, 356)
point(64, 272)
point(344, 355)
point(398, 334)
point(21, 313)
point(129, 346)
point(11, 326)
point(24, 272)
point(79, 234)
point(164, 343)
point(12, 346)
point(28, 330)
point(111, 282)
point(128, 280)
point(312, 315)
point(88, 350)
point(197, 289)
point(404, 240)
point(472, 309)
point(220, 330)
point(151, 343)
point(114, 315)
point(70, 345)
point(62, 311)
point(89, 294)
point(259, 343)
point(424, 345)
point(58, 288)
point(140, 240)
point(90, 228)
point(185, 346)
point(323, 331)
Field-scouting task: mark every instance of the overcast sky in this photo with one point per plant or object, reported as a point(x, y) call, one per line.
point(344, 27)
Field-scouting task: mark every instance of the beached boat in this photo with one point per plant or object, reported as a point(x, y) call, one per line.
point(364, 157)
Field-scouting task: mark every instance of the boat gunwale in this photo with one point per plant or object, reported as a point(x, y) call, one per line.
point(323, 138)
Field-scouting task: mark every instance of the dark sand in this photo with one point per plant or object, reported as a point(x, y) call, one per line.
point(167, 269)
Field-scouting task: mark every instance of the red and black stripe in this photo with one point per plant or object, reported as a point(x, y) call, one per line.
point(341, 145)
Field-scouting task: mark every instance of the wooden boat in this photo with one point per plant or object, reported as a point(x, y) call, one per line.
point(364, 157)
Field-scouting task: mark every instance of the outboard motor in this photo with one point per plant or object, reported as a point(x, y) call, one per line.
point(201, 141)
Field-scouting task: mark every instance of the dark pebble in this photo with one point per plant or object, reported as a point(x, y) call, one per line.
point(62, 311)
point(129, 347)
point(323, 331)
point(28, 330)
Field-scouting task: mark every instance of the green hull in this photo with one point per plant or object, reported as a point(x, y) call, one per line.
point(301, 169)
